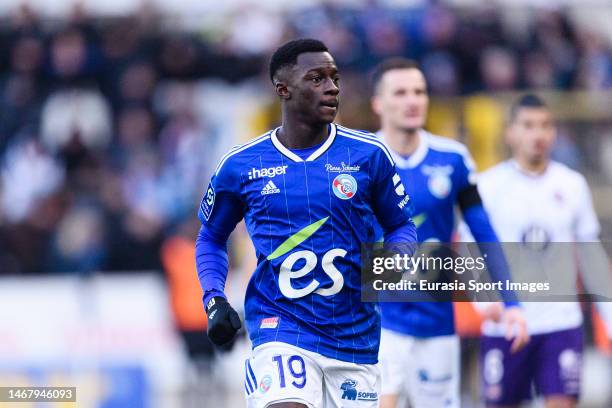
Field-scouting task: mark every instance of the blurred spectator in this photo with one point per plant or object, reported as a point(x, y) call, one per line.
point(76, 116)
point(539, 71)
point(29, 175)
point(499, 69)
point(78, 242)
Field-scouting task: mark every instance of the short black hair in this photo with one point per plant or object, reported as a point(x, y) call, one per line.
point(391, 64)
point(287, 54)
point(526, 101)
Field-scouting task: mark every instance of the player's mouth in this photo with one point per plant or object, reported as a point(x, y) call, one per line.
point(412, 114)
point(331, 105)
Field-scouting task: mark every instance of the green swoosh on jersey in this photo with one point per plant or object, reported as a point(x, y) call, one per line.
point(296, 239)
point(419, 219)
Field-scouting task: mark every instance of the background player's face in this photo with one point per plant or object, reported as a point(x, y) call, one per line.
point(531, 134)
point(401, 100)
point(314, 87)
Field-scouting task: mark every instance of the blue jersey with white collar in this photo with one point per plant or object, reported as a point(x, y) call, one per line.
point(307, 218)
point(435, 177)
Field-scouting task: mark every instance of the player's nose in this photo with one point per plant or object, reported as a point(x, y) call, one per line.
point(331, 88)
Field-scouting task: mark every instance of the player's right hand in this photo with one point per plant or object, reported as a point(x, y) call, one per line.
point(223, 321)
point(516, 327)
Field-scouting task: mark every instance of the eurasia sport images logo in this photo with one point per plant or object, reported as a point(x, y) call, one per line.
point(344, 186)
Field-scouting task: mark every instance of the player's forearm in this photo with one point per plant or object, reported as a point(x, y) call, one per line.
point(486, 238)
point(212, 264)
point(405, 234)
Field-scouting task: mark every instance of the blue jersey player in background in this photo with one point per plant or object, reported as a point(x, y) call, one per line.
point(419, 349)
point(310, 192)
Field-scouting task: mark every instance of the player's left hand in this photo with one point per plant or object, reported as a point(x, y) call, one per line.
point(223, 321)
point(516, 327)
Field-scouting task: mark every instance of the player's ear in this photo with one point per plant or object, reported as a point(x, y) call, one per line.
point(510, 134)
point(376, 105)
point(282, 89)
point(281, 83)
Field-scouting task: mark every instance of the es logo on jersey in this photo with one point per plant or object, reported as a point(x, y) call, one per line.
point(344, 186)
point(254, 173)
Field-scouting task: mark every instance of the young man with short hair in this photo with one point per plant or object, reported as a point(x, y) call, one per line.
point(419, 348)
point(310, 192)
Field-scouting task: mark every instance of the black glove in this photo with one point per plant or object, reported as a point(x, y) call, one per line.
point(223, 321)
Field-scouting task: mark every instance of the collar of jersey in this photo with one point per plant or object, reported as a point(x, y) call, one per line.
point(315, 155)
point(415, 158)
point(529, 174)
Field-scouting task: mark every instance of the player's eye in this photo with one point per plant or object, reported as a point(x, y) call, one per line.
point(316, 79)
point(336, 80)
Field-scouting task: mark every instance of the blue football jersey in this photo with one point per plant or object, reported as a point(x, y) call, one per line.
point(434, 176)
point(308, 212)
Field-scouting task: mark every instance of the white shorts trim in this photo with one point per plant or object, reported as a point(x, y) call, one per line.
point(423, 370)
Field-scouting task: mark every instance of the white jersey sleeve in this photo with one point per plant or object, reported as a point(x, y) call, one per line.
point(586, 224)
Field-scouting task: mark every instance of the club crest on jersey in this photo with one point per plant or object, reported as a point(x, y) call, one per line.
point(536, 238)
point(439, 181)
point(344, 186)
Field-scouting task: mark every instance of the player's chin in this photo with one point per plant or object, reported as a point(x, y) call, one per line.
point(413, 124)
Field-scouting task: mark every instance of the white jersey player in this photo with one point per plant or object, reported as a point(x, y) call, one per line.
point(545, 207)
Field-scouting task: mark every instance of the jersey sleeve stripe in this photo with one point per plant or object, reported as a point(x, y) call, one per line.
point(367, 135)
point(370, 141)
point(240, 148)
point(452, 146)
point(360, 132)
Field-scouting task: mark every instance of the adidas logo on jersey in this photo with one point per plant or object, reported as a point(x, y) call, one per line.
point(254, 173)
point(270, 188)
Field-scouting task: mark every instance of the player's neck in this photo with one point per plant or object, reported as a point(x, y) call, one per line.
point(532, 167)
point(294, 134)
point(403, 142)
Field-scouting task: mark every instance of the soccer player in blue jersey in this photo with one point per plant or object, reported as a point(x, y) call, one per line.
point(419, 349)
point(310, 192)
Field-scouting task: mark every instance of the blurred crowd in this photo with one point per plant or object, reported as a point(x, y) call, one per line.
point(105, 149)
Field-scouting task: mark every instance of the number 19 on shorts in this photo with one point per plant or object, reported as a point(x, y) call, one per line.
point(295, 368)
